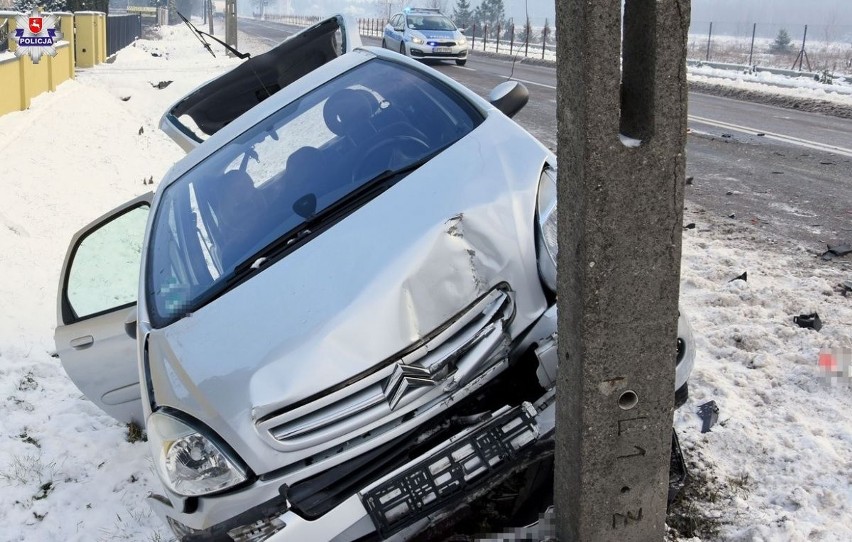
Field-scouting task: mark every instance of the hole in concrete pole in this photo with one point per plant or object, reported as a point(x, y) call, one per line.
point(628, 400)
point(638, 63)
point(625, 489)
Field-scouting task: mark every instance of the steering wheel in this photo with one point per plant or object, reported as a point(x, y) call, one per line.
point(390, 153)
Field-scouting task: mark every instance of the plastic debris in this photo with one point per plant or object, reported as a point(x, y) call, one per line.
point(743, 277)
point(709, 414)
point(808, 321)
point(836, 250)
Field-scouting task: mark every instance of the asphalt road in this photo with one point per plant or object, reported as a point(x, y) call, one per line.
point(787, 171)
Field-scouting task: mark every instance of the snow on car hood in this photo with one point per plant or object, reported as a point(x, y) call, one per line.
point(367, 288)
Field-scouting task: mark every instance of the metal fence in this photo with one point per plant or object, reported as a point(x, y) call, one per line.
point(817, 47)
point(529, 41)
point(122, 30)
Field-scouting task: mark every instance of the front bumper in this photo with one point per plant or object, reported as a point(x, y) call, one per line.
point(410, 497)
point(458, 52)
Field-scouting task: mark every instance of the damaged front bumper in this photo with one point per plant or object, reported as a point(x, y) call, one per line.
point(421, 491)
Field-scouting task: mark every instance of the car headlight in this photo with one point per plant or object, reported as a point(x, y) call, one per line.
point(548, 247)
point(418, 41)
point(461, 41)
point(187, 462)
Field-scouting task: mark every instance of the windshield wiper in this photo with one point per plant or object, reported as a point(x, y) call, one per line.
point(327, 216)
point(200, 35)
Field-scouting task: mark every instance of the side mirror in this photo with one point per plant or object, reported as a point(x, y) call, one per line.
point(509, 97)
point(305, 206)
point(130, 323)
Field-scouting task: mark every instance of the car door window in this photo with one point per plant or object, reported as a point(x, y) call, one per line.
point(104, 272)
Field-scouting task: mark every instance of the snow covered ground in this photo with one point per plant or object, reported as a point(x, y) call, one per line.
point(777, 467)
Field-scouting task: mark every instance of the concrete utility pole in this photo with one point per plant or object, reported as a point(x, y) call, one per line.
point(620, 217)
point(231, 24)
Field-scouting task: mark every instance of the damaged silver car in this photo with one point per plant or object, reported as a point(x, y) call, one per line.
point(336, 318)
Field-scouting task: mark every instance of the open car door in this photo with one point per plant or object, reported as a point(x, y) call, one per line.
point(213, 105)
point(98, 288)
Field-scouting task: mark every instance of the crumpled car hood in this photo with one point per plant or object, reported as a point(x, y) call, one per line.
point(367, 288)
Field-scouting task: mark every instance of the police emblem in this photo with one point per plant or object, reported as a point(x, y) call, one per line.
point(36, 36)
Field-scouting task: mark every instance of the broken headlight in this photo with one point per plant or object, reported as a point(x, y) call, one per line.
point(548, 249)
point(187, 462)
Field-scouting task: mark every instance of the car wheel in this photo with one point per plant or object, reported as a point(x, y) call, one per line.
point(402, 48)
point(384, 44)
point(461, 62)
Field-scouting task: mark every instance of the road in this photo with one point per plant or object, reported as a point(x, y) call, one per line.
point(787, 171)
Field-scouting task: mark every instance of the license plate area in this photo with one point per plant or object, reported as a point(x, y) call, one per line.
point(442, 50)
point(461, 467)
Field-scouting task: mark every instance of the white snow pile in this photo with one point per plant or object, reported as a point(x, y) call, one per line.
point(779, 461)
point(776, 466)
point(772, 83)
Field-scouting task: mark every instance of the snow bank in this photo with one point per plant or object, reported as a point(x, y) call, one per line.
point(776, 467)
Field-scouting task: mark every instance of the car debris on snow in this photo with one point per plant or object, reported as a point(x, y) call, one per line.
point(836, 250)
point(709, 414)
point(743, 277)
point(808, 321)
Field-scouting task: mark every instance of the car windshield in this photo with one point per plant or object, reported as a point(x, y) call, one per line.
point(312, 155)
point(430, 22)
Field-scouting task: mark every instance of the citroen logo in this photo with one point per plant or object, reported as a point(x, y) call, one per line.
point(403, 379)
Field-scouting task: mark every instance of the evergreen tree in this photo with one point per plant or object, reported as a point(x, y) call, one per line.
point(24, 6)
point(782, 42)
point(491, 13)
point(462, 14)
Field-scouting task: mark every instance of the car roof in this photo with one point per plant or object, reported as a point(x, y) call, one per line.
point(423, 11)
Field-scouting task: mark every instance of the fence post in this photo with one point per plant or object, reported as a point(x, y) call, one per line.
point(511, 38)
point(543, 39)
point(473, 37)
point(527, 31)
point(709, 37)
point(498, 38)
point(484, 36)
point(751, 50)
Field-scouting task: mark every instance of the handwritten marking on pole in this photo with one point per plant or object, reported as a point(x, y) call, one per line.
point(640, 452)
point(625, 519)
